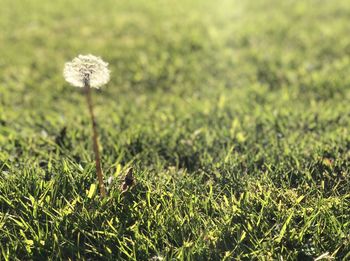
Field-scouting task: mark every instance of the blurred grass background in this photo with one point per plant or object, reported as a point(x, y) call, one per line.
point(234, 115)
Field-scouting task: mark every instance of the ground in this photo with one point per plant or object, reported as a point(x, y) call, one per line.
point(234, 116)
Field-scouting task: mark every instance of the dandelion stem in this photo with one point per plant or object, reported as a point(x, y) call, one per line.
point(95, 139)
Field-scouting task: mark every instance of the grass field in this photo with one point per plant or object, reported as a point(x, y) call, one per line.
point(234, 116)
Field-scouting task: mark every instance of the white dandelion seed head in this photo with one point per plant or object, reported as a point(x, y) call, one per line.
point(86, 69)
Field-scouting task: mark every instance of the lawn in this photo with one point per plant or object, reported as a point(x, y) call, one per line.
point(233, 115)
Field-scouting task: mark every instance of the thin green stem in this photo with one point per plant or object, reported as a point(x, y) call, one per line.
point(95, 140)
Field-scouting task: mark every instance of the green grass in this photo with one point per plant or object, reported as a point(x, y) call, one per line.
point(234, 115)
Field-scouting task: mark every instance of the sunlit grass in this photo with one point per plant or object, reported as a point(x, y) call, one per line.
point(234, 116)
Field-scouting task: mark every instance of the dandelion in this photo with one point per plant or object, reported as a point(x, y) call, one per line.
point(88, 71)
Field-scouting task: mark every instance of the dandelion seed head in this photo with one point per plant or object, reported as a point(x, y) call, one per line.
point(86, 69)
